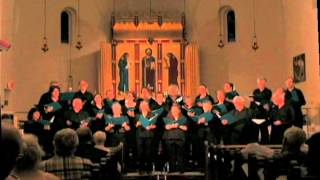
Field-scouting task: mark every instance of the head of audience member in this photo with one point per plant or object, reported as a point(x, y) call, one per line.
point(188, 101)
point(313, 158)
point(228, 87)
point(65, 142)
point(84, 134)
point(83, 86)
point(293, 139)
point(173, 90)
point(144, 107)
point(261, 82)
point(54, 92)
point(34, 114)
point(278, 97)
point(203, 90)
point(99, 138)
point(160, 98)
point(207, 106)
point(31, 154)
point(110, 94)
point(239, 103)
point(290, 83)
point(11, 143)
point(77, 105)
point(116, 109)
point(131, 96)
point(221, 96)
point(175, 111)
point(98, 100)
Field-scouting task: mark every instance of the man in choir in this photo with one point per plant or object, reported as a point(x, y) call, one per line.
point(238, 121)
point(230, 93)
point(173, 96)
point(296, 99)
point(84, 95)
point(281, 116)
point(76, 117)
point(261, 104)
point(203, 95)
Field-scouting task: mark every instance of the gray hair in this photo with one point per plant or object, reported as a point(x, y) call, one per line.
point(99, 138)
point(65, 142)
point(31, 153)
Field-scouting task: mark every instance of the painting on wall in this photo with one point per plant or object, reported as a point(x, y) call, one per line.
point(299, 68)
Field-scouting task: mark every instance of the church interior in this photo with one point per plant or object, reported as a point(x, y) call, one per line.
point(160, 89)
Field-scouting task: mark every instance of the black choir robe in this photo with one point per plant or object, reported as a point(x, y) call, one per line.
point(296, 99)
point(286, 115)
point(86, 98)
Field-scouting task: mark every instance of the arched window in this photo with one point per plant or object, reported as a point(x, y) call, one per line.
point(231, 26)
point(65, 27)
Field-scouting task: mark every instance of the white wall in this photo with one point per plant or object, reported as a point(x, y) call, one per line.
point(302, 37)
point(285, 28)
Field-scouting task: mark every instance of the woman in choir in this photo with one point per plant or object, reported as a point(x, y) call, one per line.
point(116, 125)
point(40, 128)
point(174, 136)
point(203, 95)
point(146, 95)
point(130, 109)
point(97, 112)
point(281, 117)
point(146, 125)
point(230, 93)
point(108, 101)
point(238, 121)
point(158, 144)
point(220, 108)
point(173, 96)
point(207, 130)
point(52, 110)
point(191, 110)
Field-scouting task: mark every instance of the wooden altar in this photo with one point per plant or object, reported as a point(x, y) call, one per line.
point(167, 41)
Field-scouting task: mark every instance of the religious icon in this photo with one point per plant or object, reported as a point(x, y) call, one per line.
point(123, 65)
point(172, 66)
point(299, 69)
point(149, 70)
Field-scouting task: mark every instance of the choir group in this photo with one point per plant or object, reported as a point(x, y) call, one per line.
point(156, 123)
